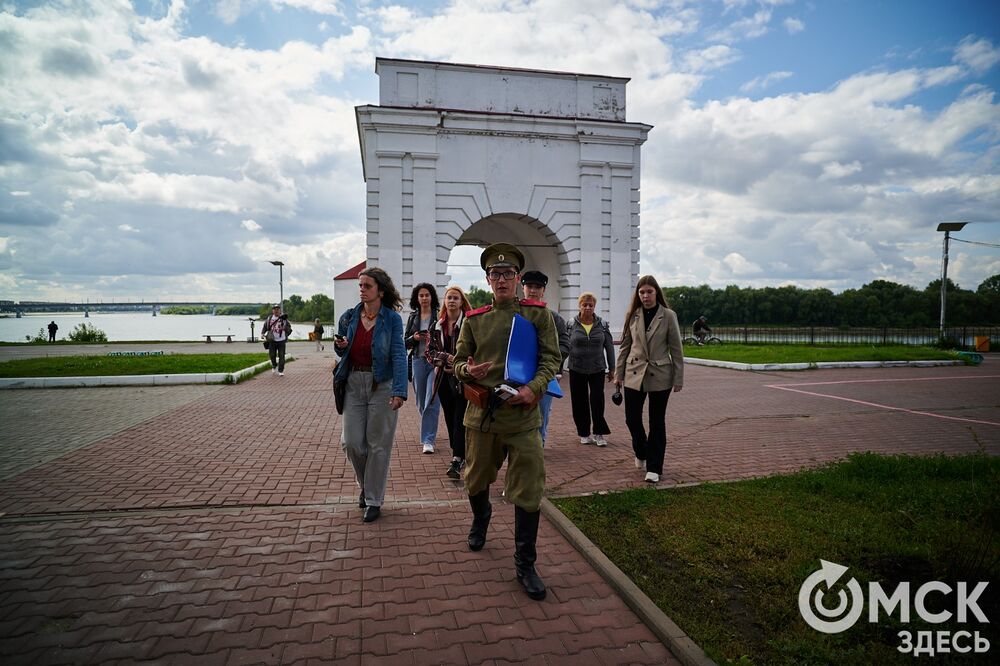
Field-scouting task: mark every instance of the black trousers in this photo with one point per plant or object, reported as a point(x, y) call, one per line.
point(586, 393)
point(277, 349)
point(651, 447)
point(454, 405)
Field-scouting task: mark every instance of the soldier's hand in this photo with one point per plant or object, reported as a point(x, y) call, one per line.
point(524, 396)
point(477, 370)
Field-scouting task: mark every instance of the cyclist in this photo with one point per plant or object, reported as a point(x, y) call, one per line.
point(701, 329)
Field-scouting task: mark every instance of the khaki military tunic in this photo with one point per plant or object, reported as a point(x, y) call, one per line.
point(513, 429)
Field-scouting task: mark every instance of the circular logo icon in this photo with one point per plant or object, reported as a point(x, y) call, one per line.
point(846, 611)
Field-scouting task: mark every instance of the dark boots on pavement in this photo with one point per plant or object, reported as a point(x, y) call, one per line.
point(482, 511)
point(525, 534)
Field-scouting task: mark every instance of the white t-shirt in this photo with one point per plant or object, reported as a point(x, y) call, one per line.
point(277, 326)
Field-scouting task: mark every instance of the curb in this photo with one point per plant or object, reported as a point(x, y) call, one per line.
point(134, 380)
point(818, 365)
point(680, 644)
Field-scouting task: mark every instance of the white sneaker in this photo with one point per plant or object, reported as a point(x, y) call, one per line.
point(640, 464)
point(600, 441)
point(428, 448)
point(586, 440)
point(274, 371)
point(281, 374)
point(652, 477)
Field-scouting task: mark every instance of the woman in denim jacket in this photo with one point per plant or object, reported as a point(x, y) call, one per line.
point(370, 341)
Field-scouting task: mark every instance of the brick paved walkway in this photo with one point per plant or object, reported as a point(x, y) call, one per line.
point(225, 529)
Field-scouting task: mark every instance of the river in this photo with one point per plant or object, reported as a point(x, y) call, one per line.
point(124, 326)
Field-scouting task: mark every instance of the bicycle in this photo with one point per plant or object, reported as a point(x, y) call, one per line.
point(712, 340)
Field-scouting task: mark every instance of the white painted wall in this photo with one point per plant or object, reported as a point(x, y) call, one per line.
point(460, 154)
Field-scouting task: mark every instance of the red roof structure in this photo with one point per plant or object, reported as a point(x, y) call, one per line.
point(352, 273)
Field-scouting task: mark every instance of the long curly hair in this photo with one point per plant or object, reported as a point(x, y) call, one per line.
point(415, 303)
point(636, 303)
point(390, 297)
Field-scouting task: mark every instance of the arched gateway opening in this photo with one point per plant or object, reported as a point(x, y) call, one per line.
point(458, 155)
point(541, 251)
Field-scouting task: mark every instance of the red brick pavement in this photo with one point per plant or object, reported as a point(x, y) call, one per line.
point(226, 529)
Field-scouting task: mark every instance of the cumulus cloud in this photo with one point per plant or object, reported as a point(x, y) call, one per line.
point(204, 159)
point(977, 53)
point(763, 82)
point(793, 25)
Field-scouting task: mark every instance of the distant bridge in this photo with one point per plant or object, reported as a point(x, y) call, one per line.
point(27, 307)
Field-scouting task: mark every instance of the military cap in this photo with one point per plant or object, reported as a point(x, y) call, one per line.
point(535, 277)
point(501, 254)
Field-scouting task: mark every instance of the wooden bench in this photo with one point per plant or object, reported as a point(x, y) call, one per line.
point(227, 336)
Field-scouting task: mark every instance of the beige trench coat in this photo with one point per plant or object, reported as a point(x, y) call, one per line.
point(651, 360)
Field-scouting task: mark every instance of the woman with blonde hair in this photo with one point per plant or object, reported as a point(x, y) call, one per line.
point(650, 364)
point(443, 336)
point(591, 361)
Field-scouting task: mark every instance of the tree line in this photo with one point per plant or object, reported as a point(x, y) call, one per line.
point(878, 303)
point(319, 306)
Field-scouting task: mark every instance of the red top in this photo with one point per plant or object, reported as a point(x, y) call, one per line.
point(361, 348)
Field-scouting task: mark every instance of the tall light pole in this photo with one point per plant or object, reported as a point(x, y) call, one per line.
point(281, 283)
point(947, 228)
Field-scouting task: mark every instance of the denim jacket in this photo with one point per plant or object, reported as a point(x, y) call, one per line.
point(388, 352)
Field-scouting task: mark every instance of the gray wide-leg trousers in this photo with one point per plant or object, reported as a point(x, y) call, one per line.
point(368, 433)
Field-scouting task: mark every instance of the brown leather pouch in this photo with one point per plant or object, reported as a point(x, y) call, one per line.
point(476, 394)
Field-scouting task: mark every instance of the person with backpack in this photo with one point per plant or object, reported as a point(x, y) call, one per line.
point(276, 330)
point(318, 332)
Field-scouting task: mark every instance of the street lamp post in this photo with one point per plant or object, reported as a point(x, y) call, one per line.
point(947, 228)
point(281, 283)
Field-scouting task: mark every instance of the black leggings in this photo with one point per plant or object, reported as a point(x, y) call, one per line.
point(454, 405)
point(586, 391)
point(651, 447)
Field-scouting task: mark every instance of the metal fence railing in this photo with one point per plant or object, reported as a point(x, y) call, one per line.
point(960, 336)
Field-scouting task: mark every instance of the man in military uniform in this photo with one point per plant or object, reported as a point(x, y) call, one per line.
point(495, 428)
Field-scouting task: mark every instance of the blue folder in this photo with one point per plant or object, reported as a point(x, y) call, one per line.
point(522, 356)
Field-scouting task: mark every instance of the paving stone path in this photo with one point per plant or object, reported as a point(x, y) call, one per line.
point(220, 526)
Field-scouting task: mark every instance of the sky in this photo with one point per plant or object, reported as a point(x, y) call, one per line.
point(158, 150)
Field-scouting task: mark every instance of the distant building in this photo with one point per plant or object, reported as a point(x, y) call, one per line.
point(345, 292)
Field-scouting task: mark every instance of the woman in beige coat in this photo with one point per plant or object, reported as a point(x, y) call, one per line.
point(650, 363)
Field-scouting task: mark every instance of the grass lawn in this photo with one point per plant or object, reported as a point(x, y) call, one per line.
point(92, 366)
point(726, 561)
point(813, 354)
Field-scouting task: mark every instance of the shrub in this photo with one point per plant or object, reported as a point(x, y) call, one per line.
point(41, 336)
point(86, 333)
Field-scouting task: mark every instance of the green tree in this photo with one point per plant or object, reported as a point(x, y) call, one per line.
point(990, 285)
point(478, 297)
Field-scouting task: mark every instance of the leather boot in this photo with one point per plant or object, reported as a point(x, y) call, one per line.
point(525, 533)
point(482, 511)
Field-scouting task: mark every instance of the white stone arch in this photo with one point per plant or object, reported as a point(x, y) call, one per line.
point(463, 154)
point(541, 248)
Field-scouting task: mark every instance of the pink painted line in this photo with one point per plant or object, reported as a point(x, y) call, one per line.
point(880, 381)
point(881, 406)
